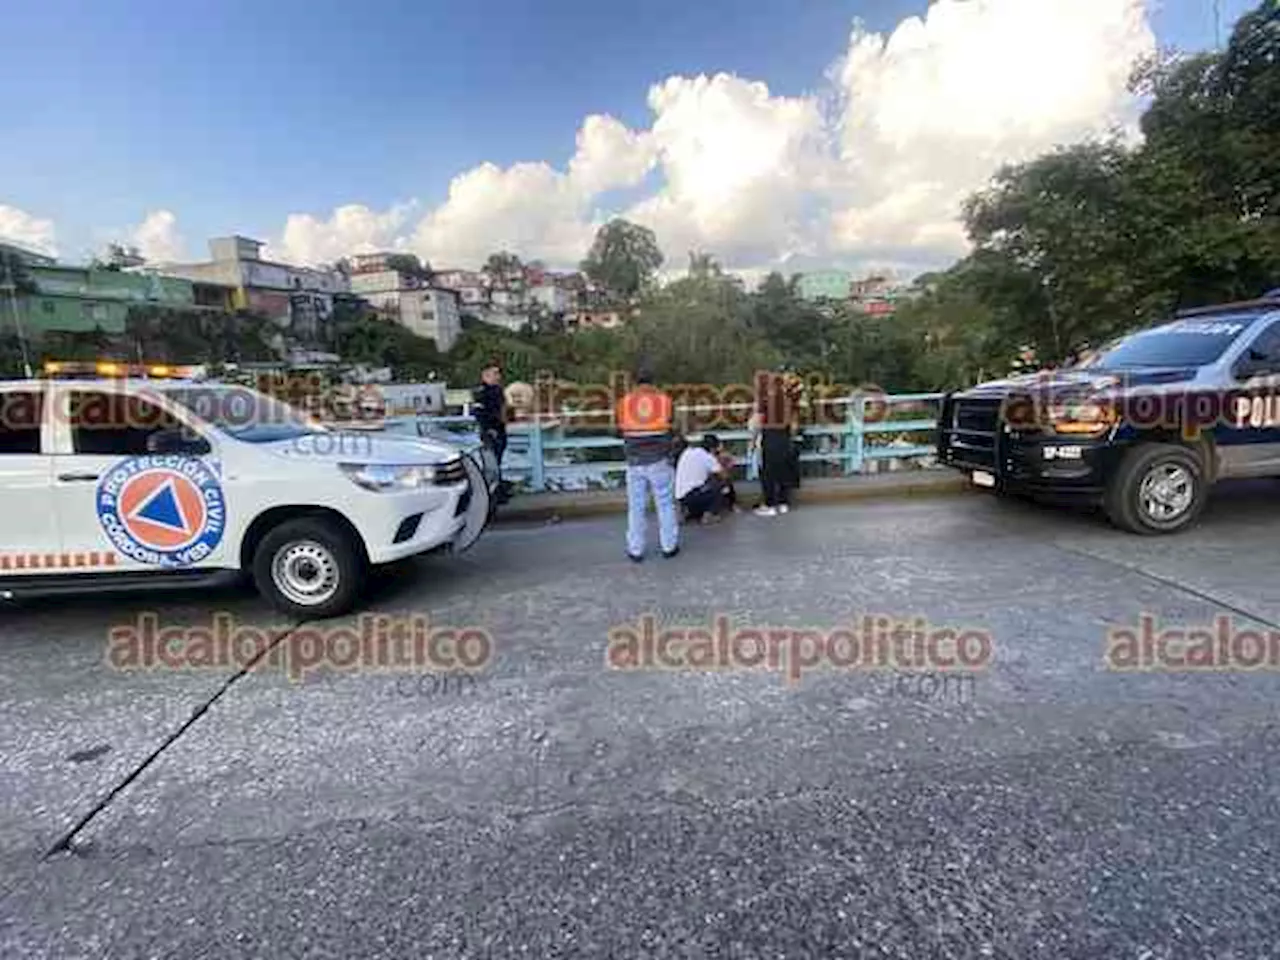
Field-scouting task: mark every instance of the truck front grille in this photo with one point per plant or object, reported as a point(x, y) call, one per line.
point(969, 434)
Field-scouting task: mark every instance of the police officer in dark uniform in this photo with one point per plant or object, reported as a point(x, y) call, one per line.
point(491, 417)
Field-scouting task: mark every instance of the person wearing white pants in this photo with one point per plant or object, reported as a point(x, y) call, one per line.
point(643, 481)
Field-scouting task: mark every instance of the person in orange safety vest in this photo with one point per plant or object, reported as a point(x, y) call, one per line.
point(644, 418)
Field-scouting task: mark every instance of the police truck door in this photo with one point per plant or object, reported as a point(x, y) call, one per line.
point(1250, 444)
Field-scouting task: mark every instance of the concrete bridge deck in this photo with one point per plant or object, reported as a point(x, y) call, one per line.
point(1051, 807)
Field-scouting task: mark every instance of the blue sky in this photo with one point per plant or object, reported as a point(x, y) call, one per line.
point(235, 114)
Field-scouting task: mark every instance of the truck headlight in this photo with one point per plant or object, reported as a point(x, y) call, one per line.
point(382, 477)
point(1087, 418)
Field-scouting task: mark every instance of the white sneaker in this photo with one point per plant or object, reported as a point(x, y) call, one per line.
point(783, 508)
point(766, 512)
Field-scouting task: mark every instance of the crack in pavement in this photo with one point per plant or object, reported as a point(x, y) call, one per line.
point(1174, 584)
point(64, 843)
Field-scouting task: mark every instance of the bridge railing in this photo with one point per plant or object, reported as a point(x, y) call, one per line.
point(576, 449)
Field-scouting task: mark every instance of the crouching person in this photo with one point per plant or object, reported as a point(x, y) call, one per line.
point(701, 481)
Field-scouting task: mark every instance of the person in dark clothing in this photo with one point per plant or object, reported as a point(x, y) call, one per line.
point(777, 470)
point(778, 422)
point(491, 417)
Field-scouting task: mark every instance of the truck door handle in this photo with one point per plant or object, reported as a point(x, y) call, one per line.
point(78, 477)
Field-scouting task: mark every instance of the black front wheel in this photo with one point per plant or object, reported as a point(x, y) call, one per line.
point(1158, 488)
point(309, 568)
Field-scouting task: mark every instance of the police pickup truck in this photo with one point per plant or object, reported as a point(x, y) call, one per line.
point(1144, 427)
point(127, 482)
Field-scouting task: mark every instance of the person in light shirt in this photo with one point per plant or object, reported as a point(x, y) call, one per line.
point(700, 481)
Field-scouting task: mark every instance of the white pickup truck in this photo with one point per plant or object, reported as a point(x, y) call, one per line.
point(127, 482)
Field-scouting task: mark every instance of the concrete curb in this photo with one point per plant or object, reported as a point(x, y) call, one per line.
point(554, 507)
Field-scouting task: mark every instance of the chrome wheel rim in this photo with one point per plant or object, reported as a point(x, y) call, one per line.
point(306, 573)
point(1167, 492)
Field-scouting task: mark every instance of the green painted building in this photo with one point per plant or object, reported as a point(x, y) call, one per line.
point(826, 285)
point(75, 299)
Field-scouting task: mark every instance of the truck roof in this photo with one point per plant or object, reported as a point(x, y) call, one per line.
point(1271, 301)
point(91, 382)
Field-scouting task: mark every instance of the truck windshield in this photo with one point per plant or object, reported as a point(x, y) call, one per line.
point(246, 414)
point(1184, 343)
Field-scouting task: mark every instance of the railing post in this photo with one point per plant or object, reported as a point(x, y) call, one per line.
point(855, 420)
point(537, 468)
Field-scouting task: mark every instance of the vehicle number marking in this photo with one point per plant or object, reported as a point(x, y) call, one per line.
point(1063, 453)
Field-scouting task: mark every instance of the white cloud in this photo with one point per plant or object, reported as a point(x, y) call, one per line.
point(738, 165)
point(533, 209)
point(25, 230)
point(873, 166)
point(353, 228)
point(157, 238)
point(528, 208)
point(930, 112)
point(609, 156)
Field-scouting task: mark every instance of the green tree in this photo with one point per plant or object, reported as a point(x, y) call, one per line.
point(698, 329)
point(503, 269)
point(949, 329)
point(370, 340)
point(180, 334)
point(1219, 114)
point(1056, 240)
point(408, 265)
point(116, 257)
point(1092, 241)
point(804, 334)
point(623, 259)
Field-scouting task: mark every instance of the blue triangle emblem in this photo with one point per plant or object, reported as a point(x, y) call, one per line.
point(162, 509)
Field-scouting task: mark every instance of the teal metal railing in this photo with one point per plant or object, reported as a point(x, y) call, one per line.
point(575, 449)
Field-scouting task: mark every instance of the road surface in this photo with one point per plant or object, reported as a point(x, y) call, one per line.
point(1049, 806)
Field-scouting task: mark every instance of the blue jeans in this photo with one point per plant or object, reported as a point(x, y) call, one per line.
point(658, 478)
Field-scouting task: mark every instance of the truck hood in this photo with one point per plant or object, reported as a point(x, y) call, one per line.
point(1088, 381)
point(340, 446)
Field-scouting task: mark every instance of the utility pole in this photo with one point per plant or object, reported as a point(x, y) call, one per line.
point(1217, 25)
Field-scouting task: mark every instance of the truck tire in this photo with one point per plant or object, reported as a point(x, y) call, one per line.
point(309, 568)
point(1157, 488)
